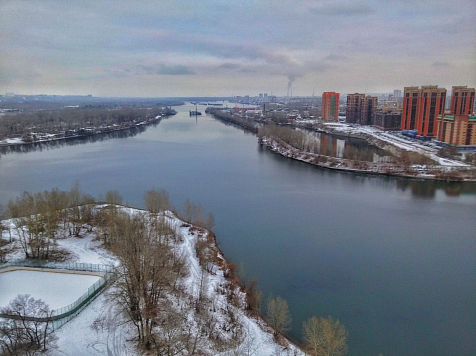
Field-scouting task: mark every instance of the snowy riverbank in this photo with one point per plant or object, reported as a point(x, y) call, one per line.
point(434, 172)
point(75, 134)
point(388, 140)
point(102, 329)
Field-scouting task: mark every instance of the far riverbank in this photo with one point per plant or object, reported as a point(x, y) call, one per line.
point(80, 133)
point(424, 170)
point(361, 167)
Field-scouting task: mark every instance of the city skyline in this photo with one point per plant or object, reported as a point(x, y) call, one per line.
point(178, 49)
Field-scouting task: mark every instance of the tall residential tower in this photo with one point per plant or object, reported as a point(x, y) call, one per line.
point(462, 100)
point(330, 106)
point(421, 107)
point(360, 108)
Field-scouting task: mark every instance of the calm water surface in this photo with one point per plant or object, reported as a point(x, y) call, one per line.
point(393, 259)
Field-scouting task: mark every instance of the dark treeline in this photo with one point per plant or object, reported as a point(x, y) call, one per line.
point(29, 103)
point(48, 145)
point(72, 119)
point(244, 123)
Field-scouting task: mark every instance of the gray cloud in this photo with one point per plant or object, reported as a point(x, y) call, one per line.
point(9, 76)
point(124, 46)
point(248, 70)
point(439, 64)
point(335, 58)
point(342, 9)
point(229, 66)
point(163, 69)
point(174, 70)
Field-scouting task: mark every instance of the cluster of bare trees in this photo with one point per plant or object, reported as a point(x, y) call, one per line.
point(149, 266)
point(36, 218)
point(295, 138)
point(408, 158)
point(307, 144)
point(29, 331)
point(223, 115)
point(195, 214)
point(321, 336)
point(152, 291)
point(324, 337)
point(59, 120)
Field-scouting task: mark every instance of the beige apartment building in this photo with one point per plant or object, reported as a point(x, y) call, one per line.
point(457, 130)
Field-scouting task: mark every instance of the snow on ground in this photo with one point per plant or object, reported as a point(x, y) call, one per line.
point(12, 140)
point(86, 249)
point(400, 142)
point(255, 338)
point(100, 329)
point(55, 289)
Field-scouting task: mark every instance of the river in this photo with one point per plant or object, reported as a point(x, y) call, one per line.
point(393, 259)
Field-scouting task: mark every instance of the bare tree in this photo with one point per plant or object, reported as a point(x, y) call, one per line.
point(170, 341)
point(278, 315)
point(30, 225)
point(146, 269)
point(30, 333)
point(80, 209)
point(113, 197)
point(325, 337)
point(254, 295)
point(210, 221)
point(156, 200)
point(2, 242)
point(194, 214)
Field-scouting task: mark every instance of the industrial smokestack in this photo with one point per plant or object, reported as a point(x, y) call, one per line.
point(291, 79)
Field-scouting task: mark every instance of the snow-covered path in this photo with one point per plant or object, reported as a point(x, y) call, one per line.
point(98, 330)
point(86, 249)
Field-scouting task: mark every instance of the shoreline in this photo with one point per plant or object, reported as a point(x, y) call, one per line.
point(227, 274)
point(233, 279)
point(148, 122)
point(340, 164)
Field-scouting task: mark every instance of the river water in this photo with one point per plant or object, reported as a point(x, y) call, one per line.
point(393, 259)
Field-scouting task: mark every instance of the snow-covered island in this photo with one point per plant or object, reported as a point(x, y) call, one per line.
point(191, 305)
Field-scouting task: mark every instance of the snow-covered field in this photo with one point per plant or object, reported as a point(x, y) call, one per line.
point(394, 139)
point(55, 289)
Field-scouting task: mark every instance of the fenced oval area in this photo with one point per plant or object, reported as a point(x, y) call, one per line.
point(57, 289)
point(64, 287)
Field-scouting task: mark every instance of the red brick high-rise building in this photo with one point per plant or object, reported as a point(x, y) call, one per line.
point(421, 108)
point(353, 108)
point(360, 108)
point(462, 100)
point(330, 106)
point(369, 106)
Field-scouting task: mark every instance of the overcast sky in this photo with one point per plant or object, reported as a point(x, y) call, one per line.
point(207, 47)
